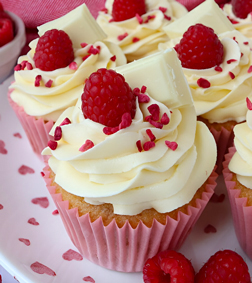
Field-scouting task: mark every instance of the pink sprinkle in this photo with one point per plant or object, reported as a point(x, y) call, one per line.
point(143, 98)
point(83, 44)
point(150, 134)
point(110, 130)
point(49, 83)
point(148, 145)
point(42, 174)
point(86, 146)
point(154, 111)
point(73, 66)
point(37, 80)
point(25, 241)
point(122, 36)
point(42, 201)
point(55, 212)
point(93, 50)
point(148, 118)
point(85, 57)
point(140, 20)
point(232, 76)
point(249, 103)
point(33, 221)
point(113, 58)
point(52, 144)
point(162, 9)
point(246, 43)
point(167, 17)
point(143, 89)
point(29, 66)
point(111, 20)
point(136, 90)
point(3, 150)
point(17, 67)
point(165, 119)
point(135, 39)
point(139, 146)
point(218, 69)
point(172, 145)
point(66, 121)
point(41, 269)
point(210, 229)
point(88, 279)
point(23, 64)
point(126, 121)
point(155, 124)
point(231, 61)
point(72, 255)
point(57, 133)
point(23, 170)
point(203, 83)
point(250, 69)
point(105, 10)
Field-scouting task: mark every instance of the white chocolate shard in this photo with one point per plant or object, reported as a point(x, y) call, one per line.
point(162, 74)
point(79, 24)
point(208, 13)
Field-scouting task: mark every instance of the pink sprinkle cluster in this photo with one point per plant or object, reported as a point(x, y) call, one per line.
point(91, 51)
point(154, 117)
point(24, 64)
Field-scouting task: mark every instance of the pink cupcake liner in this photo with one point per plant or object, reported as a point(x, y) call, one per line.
point(126, 249)
point(241, 213)
point(37, 130)
point(224, 139)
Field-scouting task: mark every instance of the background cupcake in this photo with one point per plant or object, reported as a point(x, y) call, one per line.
point(46, 82)
point(138, 36)
point(118, 187)
point(238, 179)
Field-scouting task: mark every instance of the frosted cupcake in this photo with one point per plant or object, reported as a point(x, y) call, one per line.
point(47, 81)
point(238, 178)
point(138, 31)
point(118, 187)
point(217, 65)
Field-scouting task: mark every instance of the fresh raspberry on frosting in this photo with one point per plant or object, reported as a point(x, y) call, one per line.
point(107, 97)
point(241, 8)
point(224, 266)
point(126, 9)
point(54, 50)
point(200, 48)
point(168, 266)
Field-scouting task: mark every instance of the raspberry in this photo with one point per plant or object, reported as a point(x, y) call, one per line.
point(6, 31)
point(224, 266)
point(126, 9)
point(168, 266)
point(107, 97)
point(54, 50)
point(241, 8)
point(200, 48)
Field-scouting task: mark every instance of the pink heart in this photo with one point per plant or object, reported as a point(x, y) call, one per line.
point(25, 241)
point(71, 255)
point(43, 201)
point(210, 229)
point(88, 279)
point(42, 269)
point(33, 221)
point(3, 150)
point(25, 170)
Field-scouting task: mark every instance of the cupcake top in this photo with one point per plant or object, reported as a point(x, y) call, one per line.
point(219, 90)
point(47, 92)
point(140, 35)
point(241, 162)
point(138, 164)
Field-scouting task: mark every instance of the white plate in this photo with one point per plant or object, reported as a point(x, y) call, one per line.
point(49, 241)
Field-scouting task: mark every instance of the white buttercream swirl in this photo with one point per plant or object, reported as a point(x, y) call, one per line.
point(67, 86)
point(242, 25)
point(114, 171)
point(241, 162)
point(224, 100)
point(150, 33)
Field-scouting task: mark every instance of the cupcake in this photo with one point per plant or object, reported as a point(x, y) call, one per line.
point(131, 177)
point(240, 16)
point(47, 82)
point(139, 31)
point(238, 179)
point(218, 70)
